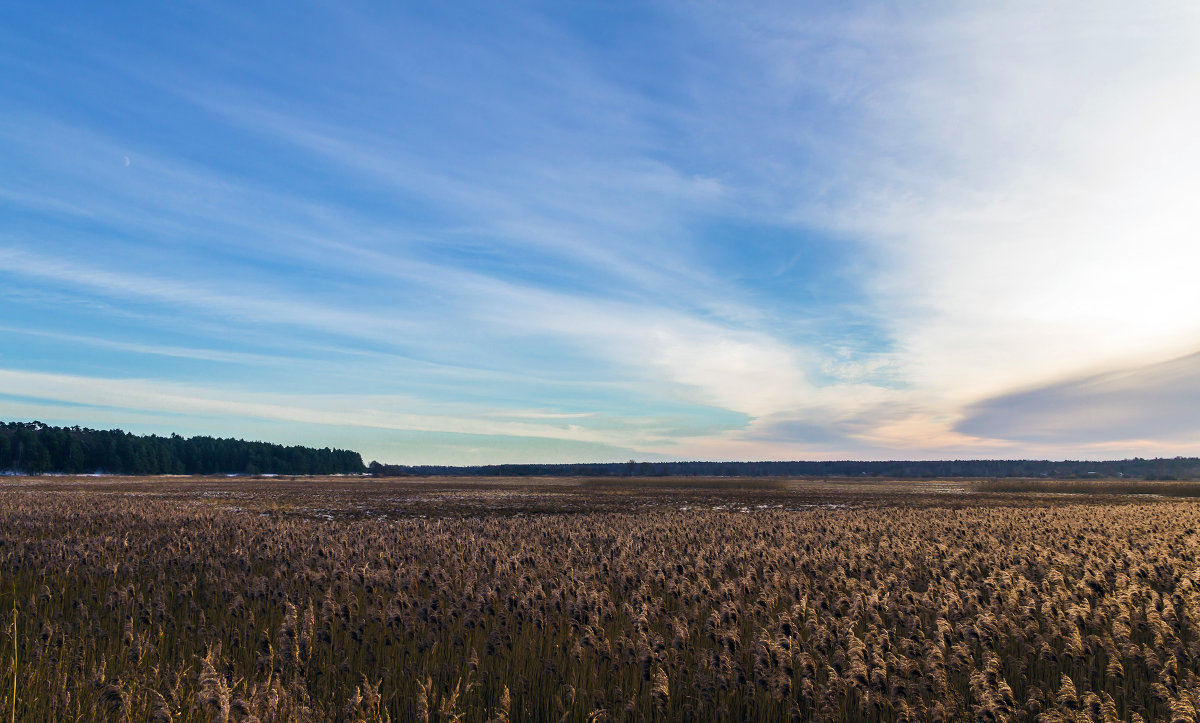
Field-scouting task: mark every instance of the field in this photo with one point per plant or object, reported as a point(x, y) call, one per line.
point(350, 599)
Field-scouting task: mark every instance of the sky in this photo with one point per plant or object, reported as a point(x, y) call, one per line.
point(479, 232)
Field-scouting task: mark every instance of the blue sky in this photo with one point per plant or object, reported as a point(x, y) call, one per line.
point(494, 232)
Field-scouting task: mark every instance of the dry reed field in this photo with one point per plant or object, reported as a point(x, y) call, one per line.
point(344, 599)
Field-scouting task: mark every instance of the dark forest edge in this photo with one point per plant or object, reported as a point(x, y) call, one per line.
point(36, 448)
point(1148, 469)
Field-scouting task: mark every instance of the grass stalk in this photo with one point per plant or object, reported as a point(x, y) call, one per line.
point(13, 719)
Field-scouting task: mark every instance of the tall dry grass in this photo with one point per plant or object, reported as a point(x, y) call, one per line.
point(149, 608)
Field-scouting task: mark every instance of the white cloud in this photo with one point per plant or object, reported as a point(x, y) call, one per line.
point(1025, 177)
point(1025, 174)
point(1041, 218)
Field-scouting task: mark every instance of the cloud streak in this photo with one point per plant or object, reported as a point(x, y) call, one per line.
point(336, 410)
point(1130, 406)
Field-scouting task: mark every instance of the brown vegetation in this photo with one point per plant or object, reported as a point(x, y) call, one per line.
point(247, 600)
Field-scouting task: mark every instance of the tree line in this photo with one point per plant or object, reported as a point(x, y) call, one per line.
point(35, 448)
point(1163, 469)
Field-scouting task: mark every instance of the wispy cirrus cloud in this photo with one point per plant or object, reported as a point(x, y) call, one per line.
point(206, 298)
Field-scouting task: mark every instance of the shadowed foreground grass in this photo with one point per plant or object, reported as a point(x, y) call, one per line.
point(194, 600)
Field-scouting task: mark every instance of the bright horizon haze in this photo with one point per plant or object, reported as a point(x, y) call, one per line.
point(472, 233)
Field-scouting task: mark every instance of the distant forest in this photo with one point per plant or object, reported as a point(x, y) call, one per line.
point(1161, 469)
point(34, 448)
